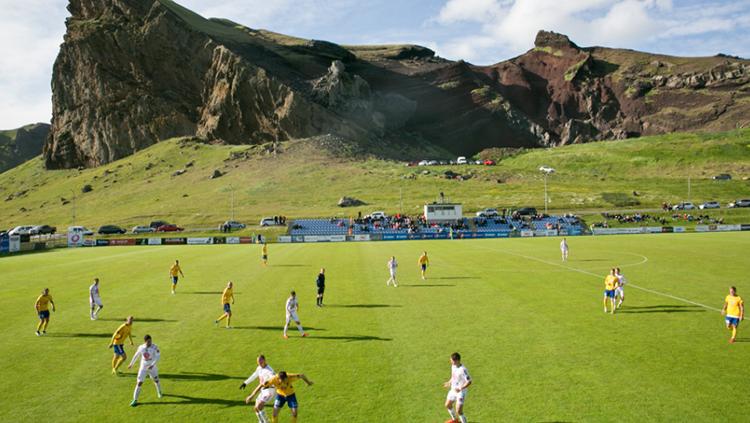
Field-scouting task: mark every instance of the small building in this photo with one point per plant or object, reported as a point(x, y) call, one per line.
point(443, 213)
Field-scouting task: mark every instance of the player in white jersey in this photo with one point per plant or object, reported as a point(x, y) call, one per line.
point(291, 314)
point(95, 301)
point(564, 249)
point(458, 384)
point(620, 290)
point(149, 354)
point(392, 265)
point(263, 373)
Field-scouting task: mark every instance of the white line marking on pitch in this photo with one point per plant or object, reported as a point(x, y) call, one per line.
point(586, 272)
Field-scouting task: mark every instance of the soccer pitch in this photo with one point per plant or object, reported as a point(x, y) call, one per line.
point(531, 330)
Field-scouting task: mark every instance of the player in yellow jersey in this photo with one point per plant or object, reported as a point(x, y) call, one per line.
point(265, 254)
point(423, 262)
point(226, 297)
point(118, 343)
point(734, 312)
point(174, 271)
point(42, 310)
point(610, 285)
point(284, 393)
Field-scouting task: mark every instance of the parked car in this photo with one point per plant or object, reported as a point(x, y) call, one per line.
point(81, 230)
point(142, 229)
point(461, 160)
point(487, 213)
point(526, 211)
point(43, 230)
point(233, 224)
point(432, 163)
point(267, 221)
point(110, 230)
point(410, 164)
point(710, 205)
point(169, 228)
point(685, 205)
point(423, 163)
point(489, 162)
point(546, 169)
point(155, 224)
point(21, 230)
point(3, 233)
point(377, 215)
point(742, 203)
point(722, 177)
point(478, 162)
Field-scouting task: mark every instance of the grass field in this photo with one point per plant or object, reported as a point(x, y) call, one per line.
point(531, 331)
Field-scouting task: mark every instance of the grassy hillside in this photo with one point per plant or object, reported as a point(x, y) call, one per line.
point(306, 180)
point(21, 144)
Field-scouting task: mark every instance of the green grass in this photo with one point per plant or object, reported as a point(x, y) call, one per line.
point(305, 181)
point(531, 331)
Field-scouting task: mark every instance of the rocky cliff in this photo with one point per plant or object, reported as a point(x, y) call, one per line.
point(133, 72)
point(22, 144)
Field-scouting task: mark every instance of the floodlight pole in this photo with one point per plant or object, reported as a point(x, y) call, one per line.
point(231, 188)
point(74, 207)
point(545, 192)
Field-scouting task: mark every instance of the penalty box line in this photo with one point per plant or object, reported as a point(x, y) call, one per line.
point(586, 272)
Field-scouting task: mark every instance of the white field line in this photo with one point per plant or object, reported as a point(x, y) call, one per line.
point(586, 272)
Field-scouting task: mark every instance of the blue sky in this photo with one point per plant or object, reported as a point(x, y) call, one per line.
point(479, 31)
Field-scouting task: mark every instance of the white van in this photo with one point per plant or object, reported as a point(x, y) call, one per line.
point(82, 230)
point(378, 215)
point(461, 160)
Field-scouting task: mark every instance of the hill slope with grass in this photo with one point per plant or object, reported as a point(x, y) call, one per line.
point(172, 180)
point(21, 144)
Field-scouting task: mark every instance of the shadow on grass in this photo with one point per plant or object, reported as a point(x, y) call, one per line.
point(274, 328)
point(292, 265)
point(426, 285)
point(352, 338)
point(662, 309)
point(363, 305)
point(205, 377)
point(456, 277)
point(137, 319)
point(742, 340)
point(202, 292)
point(188, 400)
point(80, 335)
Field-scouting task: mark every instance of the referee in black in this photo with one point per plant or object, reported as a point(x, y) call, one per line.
point(321, 284)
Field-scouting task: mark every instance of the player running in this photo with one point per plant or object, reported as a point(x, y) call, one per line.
point(564, 249)
point(173, 272)
point(284, 393)
point(226, 296)
point(620, 291)
point(320, 283)
point(263, 373)
point(149, 354)
point(423, 262)
point(392, 265)
point(95, 301)
point(118, 343)
point(734, 310)
point(458, 384)
point(264, 251)
point(291, 314)
point(610, 285)
point(42, 310)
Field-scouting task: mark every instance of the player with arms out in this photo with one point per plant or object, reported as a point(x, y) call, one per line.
point(610, 285)
point(95, 301)
point(226, 296)
point(620, 291)
point(564, 249)
point(423, 263)
point(292, 306)
point(42, 310)
point(392, 265)
point(284, 393)
point(458, 384)
point(174, 272)
point(149, 354)
point(320, 284)
point(734, 311)
point(263, 373)
point(118, 343)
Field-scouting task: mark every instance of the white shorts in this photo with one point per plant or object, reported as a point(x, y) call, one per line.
point(393, 274)
point(266, 395)
point(95, 301)
point(458, 397)
point(620, 291)
point(144, 371)
point(292, 316)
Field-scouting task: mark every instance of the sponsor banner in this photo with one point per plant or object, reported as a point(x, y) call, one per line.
point(679, 229)
point(154, 241)
point(545, 232)
point(563, 232)
point(89, 243)
point(315, 238)
point(219, 240)
point(173, 241)
point(527, 233)
point(4, 244)
point(745, 227)
point(337, 238)
point(298, 238)
point(141, 241)
point(75, 239)
point(667, 229)
point(572, 231)
point(717, 228)
point(623, 231)
point(394, 237)
point(246, 240)
point(129, 241)
point(284, 238)
point(361, 237)
point(102, 242)
point(199, 241)
point(233, 240)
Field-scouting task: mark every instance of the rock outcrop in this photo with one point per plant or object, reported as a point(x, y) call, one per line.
point(21, 144)
point(133, 72)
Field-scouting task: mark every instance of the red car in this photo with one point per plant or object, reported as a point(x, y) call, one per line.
point(169, 228)
point(489, 163)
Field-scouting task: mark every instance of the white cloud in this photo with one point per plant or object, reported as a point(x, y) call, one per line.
point(468, 10)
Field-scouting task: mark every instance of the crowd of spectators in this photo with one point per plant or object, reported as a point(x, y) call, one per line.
point(637, 218)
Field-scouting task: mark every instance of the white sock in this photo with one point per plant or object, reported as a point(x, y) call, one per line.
point(462, 418)
point(452, 413)
point(136, 393)
point(262, 416)
point(158, 388)
point(299, 327)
